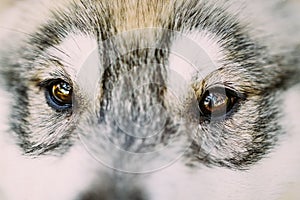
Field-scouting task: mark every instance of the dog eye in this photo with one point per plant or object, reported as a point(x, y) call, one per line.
point(217, 102)
point(59, 95)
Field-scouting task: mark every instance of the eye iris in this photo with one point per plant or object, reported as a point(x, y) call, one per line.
point(62, 92)
point(215, 102)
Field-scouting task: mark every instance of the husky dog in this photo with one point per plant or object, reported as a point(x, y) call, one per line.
point(149, 100)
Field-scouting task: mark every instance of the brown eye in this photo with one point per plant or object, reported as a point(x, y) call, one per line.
point(59, 95)
point(62, 92)
point(217, 102)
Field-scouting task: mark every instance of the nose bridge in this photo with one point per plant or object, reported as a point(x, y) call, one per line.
point(133, 116)
point(134, 125)
point(135, 64)
point(134, 86)
point(137, 100)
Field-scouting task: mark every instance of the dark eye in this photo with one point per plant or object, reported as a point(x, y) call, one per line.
point(59, 95)
point(217, 102)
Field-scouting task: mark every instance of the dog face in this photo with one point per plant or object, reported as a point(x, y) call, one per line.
point(131, 100)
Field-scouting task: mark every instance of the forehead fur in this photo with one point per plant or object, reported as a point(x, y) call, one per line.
point(133, 14)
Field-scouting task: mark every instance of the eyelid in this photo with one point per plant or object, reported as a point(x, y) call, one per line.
point(45, 83)
point(240, 95)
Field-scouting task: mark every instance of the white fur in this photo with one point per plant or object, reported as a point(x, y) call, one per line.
point(50, 178)
point(79, 53)
point(271, 178)
point(62, 178)
point(47, 178)
point(193, 55)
